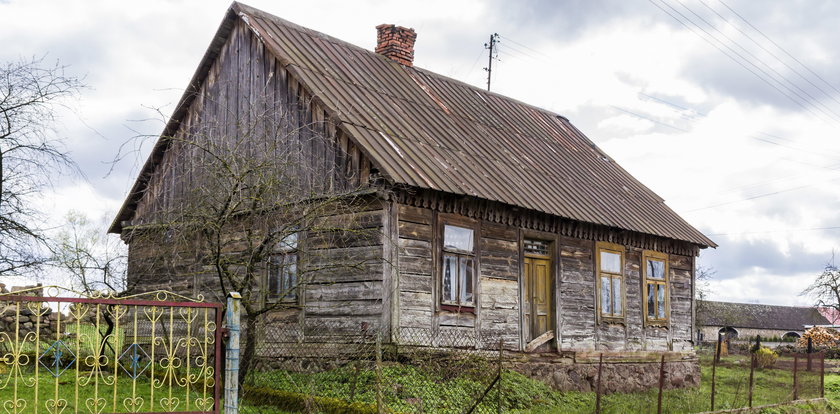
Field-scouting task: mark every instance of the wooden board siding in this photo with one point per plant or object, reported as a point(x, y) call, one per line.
point(576, 295)
point(498, 291)
point(415, 266)
point(248, 93)
point(681, 276)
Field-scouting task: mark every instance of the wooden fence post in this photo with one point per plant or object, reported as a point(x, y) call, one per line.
point(598, 385)
point(810, 351)
point(795, 365)
point(752, 370)
point(714, 367)
point(822, 374)
point(661, 384)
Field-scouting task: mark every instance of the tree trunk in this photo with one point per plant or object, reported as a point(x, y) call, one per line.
point(246, 360)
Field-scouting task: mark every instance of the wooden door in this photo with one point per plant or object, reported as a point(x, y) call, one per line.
point(537, 296)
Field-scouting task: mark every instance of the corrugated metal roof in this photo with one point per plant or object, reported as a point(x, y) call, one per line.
point(429, 131)
point(754, 315)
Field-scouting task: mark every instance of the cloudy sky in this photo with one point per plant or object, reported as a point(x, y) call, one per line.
point(728, 109)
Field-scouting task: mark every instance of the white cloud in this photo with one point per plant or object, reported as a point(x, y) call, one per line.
point(701, 146)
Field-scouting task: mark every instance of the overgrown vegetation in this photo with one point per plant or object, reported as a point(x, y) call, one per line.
point(415, 389)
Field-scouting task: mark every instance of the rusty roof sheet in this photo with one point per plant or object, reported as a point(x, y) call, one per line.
point(429, 131)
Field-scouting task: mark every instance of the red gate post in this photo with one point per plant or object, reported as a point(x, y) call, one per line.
point(795, 363)
point(598, 385)
point(661, 384)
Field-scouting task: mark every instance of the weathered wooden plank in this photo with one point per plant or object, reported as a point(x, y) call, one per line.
point(344, 238)
point(420, 248)
point(350, 221)
point(340, 292)
point(415, 283)
point(416, 318)
point(416, 264)
point(416, 300)
point(462, 319)
point(408, 230)
point(337, 273)
point(415, 214)
point(346, 308)
point(492, 230)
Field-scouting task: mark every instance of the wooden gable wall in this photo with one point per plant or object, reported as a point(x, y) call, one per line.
point(248, 93)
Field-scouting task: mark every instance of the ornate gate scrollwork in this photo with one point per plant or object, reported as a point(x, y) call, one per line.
point(66, 352)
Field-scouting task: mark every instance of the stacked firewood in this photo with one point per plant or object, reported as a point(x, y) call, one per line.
point(820, 337)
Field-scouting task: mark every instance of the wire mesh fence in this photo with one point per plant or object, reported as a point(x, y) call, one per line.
point(324, 367)
point(332, 367)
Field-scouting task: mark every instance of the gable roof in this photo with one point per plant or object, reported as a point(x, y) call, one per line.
point(428, 131)
point(753, 315)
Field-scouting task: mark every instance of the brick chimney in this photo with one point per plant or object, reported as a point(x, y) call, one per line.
point(396, 42)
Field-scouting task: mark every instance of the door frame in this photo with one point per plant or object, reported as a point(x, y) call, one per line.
point(554, 267)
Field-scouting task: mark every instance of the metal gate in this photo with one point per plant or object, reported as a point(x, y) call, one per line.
point(155, 352)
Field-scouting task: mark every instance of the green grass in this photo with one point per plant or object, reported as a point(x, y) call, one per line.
point(90, 393)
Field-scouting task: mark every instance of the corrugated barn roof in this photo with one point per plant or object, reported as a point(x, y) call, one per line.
point(425, 130)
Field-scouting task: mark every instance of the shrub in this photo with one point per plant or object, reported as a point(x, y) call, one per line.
point(765, 357)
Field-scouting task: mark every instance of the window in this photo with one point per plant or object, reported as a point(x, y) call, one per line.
point(655, 268)
point(609, 261)
point(458, 267)
point(282, 270)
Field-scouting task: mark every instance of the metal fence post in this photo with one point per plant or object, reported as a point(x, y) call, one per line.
point(379, 403)
point(661, 384)
point(232, 313)
point(598, 385)
point(499, 374)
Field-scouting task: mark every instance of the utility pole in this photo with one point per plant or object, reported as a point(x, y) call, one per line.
point(494, 54)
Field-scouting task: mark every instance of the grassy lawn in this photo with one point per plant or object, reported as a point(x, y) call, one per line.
point(92, 398)
point(413, 389)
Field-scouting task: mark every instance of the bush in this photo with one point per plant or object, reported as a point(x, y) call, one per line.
point(765, 357)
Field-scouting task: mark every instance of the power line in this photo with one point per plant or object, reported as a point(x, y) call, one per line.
point(780, 60)
point(777, 231)
point(814, 100)
point(780, 47)
point(739, 62)
point(648, 118)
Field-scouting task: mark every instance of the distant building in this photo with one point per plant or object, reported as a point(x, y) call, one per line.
point(746, 320)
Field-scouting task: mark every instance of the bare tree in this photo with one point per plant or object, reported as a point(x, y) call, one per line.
point(253, 206)
point(90, 259)
point(825, 290)
point(30, 93)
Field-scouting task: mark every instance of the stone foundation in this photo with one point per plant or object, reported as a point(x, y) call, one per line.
point(629, 372)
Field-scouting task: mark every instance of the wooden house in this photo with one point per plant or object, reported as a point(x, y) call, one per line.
point(493, 217)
